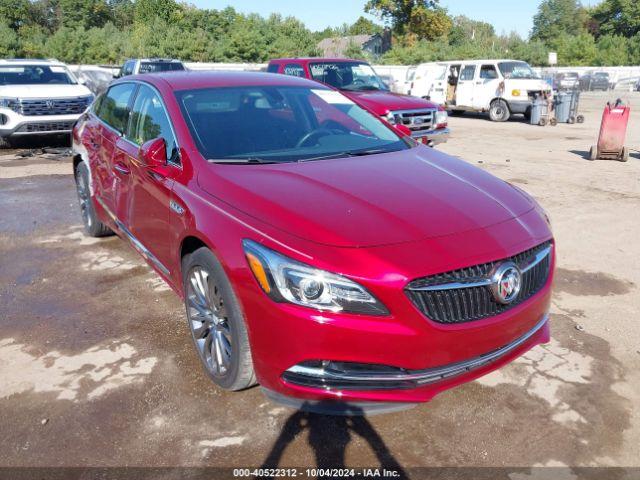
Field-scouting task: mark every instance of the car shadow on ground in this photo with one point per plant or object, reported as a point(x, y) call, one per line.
point(329, 436)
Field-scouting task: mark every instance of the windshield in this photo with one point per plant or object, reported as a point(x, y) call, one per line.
point(35, 75)
point(601, 75)
point(516, 70)
point(347, 75)
point(152, 67)
point(282, 124)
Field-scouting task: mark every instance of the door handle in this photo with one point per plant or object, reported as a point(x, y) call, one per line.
point(121, 168)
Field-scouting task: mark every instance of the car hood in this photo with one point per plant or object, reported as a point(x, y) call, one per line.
point(382, 103)
point(44, 91)
point(367, 201)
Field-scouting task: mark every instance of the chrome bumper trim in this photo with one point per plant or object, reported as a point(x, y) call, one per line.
point(408, 378)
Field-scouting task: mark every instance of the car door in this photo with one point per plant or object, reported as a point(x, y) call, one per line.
point(113, 116)
point(486, 86)
point(149, 199)
point(465, 90)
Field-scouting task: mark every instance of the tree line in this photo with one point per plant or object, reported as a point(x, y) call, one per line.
point(108, 31)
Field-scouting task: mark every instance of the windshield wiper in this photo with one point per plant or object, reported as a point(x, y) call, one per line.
point(241, 161)
point(354, 153)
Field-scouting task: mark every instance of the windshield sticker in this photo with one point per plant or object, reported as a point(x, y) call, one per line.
point(332, 97)
point(57, 69)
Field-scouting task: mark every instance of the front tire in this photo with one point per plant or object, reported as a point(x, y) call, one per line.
point(92, 224)
point(216, 321)
point(499, 111)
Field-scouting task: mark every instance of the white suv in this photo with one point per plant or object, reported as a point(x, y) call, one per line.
point(39, 97)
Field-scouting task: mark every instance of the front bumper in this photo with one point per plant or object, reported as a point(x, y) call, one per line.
point(434, 137)
point(431, 356)
point(328, 378)
point(14, 124)
point(519, 106)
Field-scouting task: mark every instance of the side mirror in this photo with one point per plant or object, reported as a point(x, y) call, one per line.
point(153, 154)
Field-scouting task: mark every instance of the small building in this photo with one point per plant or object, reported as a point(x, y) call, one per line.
point(374, 45)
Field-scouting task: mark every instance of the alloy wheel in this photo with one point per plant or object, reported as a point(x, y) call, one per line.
point(209, 322)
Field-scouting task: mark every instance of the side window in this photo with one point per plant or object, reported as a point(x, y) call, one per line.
point(273, 68)
point(468, 73)
point(149, 120)
point(95, 108)
point(114, 107)
point(294, 69)
point(127, 69)
point(488, 72)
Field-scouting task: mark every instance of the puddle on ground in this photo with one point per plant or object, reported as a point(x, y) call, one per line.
point(580, 283)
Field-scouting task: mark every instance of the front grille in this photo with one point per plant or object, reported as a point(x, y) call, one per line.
point(418, 121)
point(56, 106)
point(464, 295)
point(45, 127)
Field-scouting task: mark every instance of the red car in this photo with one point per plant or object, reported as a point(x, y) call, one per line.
point(357, 80)
point(318, 251)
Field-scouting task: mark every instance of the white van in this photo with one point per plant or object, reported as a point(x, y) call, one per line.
point(500, 87)
point(430, 82)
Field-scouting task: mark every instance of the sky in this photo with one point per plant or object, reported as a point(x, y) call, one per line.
point(504, 15)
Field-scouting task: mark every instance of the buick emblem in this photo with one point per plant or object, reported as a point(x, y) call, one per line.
point(507, 280)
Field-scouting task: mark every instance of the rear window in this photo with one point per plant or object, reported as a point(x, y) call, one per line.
point(273, 68)
point(152, 67)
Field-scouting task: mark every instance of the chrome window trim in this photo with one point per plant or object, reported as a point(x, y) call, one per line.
point(540, 256)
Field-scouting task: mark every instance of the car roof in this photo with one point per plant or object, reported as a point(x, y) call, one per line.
point(186, 80)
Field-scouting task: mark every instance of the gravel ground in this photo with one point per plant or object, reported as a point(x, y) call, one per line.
point(97, 367)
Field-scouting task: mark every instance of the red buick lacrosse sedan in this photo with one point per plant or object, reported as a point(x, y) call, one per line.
point(319, 252)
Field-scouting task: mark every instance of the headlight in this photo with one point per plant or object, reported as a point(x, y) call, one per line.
point(391, 118)
point(89, 99)
point(7, 102)
point(442, 117)
point(286, 280)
